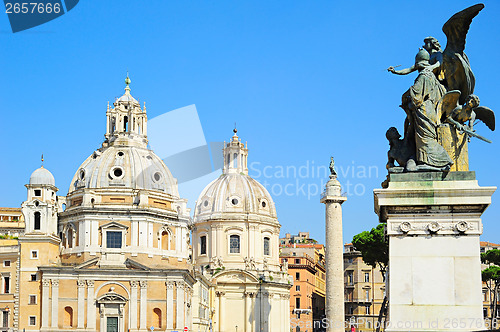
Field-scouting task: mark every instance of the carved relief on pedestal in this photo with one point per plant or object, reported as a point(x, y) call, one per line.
point(462, 226)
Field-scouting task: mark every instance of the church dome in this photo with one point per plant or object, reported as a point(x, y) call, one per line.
point(125, 167)
point(235, 193)
point(42, 176)
point(124, 160)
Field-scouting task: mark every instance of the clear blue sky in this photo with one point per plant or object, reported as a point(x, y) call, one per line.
point(303, 80)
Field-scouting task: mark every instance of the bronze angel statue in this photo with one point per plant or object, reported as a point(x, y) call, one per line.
point(443, 92)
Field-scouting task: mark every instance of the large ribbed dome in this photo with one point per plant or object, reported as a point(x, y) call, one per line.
point(42, 176)
point(234, 193)
point(125, 167)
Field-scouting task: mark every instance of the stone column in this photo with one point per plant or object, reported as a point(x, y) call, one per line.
point(170, 304)
point(91, 309)
point(222, 304)
point(133, 304)
point(334, 255)
point(248, 311)
point(45, 302)
point(144, 305)
point(55, 303)
point(180, 305)
point(81, 304)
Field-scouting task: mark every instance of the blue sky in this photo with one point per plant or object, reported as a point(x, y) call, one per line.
point(303, 80)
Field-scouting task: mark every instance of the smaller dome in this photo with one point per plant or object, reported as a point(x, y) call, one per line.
point(127, 98)
point(42, 176)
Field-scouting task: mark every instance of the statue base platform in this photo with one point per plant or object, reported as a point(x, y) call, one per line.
point(433, 225)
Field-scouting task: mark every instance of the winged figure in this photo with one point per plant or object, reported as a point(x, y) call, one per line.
point(451, 66)
point(470, 111)
point(456, 65)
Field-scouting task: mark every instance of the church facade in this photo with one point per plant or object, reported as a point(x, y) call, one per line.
point(115, 254)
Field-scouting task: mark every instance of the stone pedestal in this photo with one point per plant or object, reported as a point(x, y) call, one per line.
point(433, 225)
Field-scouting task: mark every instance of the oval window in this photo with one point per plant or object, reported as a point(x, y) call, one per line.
point(205, 203)
point(117, 172)
point(234, 201)
point(120, 154)
point(264, 204)
point(82, 174)
point(157, 176)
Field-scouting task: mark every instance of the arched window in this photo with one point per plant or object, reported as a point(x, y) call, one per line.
point(37, 220)
point(68, 317)
point(267, 242)
point(234, 244)
point(165, 238)
point(157, 318)
point(235, 161)
point(228, 159)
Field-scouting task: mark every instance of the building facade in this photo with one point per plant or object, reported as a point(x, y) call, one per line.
point(364, 290)
point(112, 255)
point(488, 297)
point(236, 246)
point(306, 264)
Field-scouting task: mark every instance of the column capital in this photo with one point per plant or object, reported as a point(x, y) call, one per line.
point(90, 283)
point(134, 283)
point(169, 284)
point(55, 282)
point(45, 282)
point(81, 283)
point(180, 285)
point(143, 283)
point(220, 293)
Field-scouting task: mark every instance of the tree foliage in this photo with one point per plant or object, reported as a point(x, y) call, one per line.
point(375, 252)
point(373, 247)
point(491, 277)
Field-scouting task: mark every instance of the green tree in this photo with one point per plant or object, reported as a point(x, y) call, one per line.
point(375, 252)
point(491, 277)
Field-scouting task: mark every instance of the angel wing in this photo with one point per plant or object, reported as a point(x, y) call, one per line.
point(486, 115)
point(447, 103)
point(456, 66)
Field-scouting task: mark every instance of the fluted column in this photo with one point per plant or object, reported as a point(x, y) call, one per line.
point(144, 305)
point(180, 306)
point(133, 304)
point(170, 304)
point(55, 303)
point(45, 302)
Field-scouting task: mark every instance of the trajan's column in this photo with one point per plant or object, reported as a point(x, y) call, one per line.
point(333, 200)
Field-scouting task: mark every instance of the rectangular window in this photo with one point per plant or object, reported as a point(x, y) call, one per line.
point(367, 310)
point(32, 320)
point(113, 239)
point(351, 310)
point(6, 263)
point(367, 276)
point(34, 254)
point(297, 303)
point(32, 299)
point(6, 285)
point(33, 277)
point(267, 250)
point(297, 261)
point(234, 244)
point(367, 295)
point(297, 288)
point(5, 318)
point(297, 275)
point(38, 192)
point(350, 278)
point(203, 245)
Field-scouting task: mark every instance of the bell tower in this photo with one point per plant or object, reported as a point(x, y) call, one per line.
point(40, 207)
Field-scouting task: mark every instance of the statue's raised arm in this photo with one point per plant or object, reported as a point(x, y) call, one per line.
point(456, 66)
